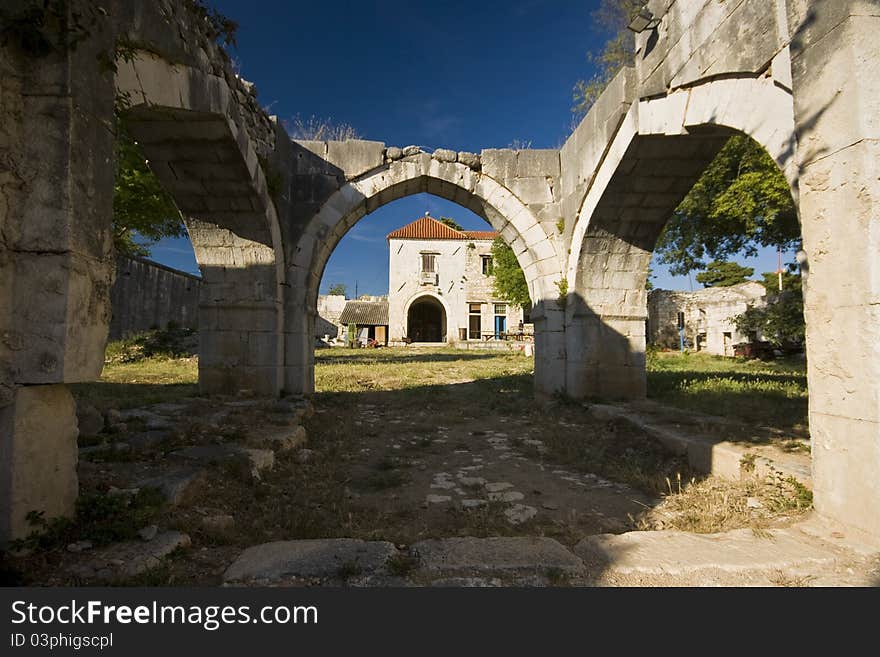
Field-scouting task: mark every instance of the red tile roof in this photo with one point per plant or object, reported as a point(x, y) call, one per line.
point(428, 228)
point(481, 234)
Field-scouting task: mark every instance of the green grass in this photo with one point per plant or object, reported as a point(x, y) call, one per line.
point(764, 393)
point(149, 381)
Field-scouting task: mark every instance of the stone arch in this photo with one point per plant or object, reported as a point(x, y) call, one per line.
point(657, 154)
point(453, 181)
point(193, 132)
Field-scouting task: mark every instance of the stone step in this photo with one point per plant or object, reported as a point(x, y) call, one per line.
point(128, 559)
point(738, 557)
point(334, 559)
point(523, 556)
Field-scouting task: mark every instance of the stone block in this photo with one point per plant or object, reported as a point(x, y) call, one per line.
point(39, 454)
point(537, 163)
point(499, 163)
point(315, 558)
point(355, 157)
point(444, 155)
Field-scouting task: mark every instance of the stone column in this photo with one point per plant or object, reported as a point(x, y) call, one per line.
point(56, 191)
point(550, 362)
point(240, 315)
point(836, 82)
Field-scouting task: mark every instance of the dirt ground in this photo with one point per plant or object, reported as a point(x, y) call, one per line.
point(399, 448)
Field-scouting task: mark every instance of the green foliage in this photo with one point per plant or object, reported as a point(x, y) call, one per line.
point(218, 27)
point(100, 518)
point(141, 206)
point(724, 274)
point(172, 342)
point(452, 223)
point(510, 282)
point(781, 321)
point(791, 282)
point(562, 286)
point(351, 335)
point(742, 201)
point(560, 225)
point(337, 288)
point(612, 16)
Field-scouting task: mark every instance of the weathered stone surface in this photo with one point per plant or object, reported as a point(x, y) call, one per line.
point(317, 558)
point(471, 160)
point(680, 553)
point(411, 150)
point(288, 438)
point(444, 155)
point(38, 471)
point(177, 484)
point(89, 420)
point(393, 153)
point(129, 559)
point(498, 555)
point(260, 459)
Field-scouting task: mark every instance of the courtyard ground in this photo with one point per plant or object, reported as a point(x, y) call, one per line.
point(403, 449)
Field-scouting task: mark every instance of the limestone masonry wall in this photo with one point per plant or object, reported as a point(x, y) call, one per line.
point(146, 294)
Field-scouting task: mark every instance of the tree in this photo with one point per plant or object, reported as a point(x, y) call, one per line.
point(510, 282)
point(724, 274)
point(337, 289)
point(613, 16)
point(791, 282)
point(781, 320)
point(742, 200)
point(141, 206)
point(452, 223)
point(317, 128)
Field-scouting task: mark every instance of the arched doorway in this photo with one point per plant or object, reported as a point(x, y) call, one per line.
point(426, 321)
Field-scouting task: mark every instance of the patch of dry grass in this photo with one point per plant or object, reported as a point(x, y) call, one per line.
point(718, 505)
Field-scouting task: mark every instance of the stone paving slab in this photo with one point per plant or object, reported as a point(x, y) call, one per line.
point(681, 554)
point(129, 558)
point(520, 555)
point(175, 484)
point(311, 558)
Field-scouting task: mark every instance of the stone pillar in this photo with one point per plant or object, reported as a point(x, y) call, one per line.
point(56, 195)
point(38, 455)
point(550, 362)
point(299, 343)
point(606, 355)
point(836, 83)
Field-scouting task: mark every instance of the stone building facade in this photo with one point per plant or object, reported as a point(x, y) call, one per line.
point(441, 288)
point(708, 316)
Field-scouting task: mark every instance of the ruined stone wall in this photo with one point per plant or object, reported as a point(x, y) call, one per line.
point(709, 313)
point(330, 307)
point(148, 295)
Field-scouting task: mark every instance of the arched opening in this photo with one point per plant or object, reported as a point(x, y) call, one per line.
point(426, 320)
point(453, 183)
point(650, 170)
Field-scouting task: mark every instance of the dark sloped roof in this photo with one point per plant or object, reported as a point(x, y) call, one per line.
point(372, 313)
point(428, 228)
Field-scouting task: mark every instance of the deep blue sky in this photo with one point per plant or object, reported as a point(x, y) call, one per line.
point(459, 75)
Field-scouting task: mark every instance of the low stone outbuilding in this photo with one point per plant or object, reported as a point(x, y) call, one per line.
point(370, 318)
